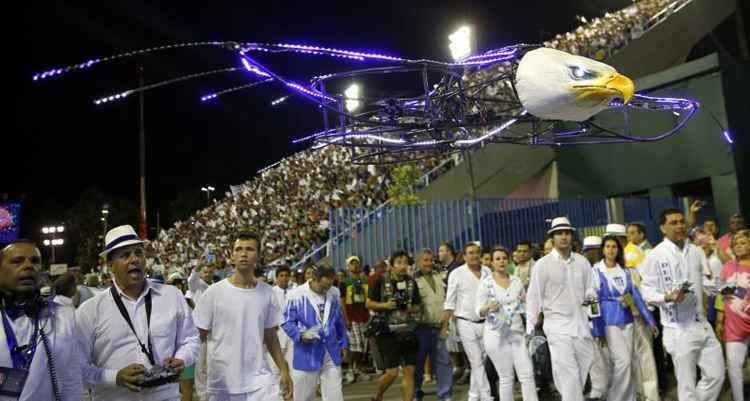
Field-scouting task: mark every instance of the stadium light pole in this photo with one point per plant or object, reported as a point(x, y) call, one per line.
point(460, 47)
point(208, 191)
point(53, 240)
point(105, 220)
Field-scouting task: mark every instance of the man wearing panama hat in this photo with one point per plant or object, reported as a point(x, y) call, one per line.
point(561, 283)
point(134, 328)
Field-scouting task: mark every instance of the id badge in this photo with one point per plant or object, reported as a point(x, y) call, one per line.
point(401, 285)
point(627, 301)
point(359, 299)
point(12, 381)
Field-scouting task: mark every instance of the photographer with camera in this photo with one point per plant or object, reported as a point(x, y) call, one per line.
point(38, 331)
point(672, 279)
point(395, 299)
point(137, 336)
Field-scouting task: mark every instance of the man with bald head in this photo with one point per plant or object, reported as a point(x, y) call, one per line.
point(34, 328)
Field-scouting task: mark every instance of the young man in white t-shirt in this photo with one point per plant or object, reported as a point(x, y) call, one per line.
point(237, 317)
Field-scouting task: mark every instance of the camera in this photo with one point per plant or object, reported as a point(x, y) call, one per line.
point(732, 290)
point(159, 375)
point(402, 300)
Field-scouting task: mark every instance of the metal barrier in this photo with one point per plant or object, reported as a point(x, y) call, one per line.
point(374, 234)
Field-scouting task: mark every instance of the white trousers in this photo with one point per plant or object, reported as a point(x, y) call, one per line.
point(287, 349)
point(620, 351)
point(599, 372)
point(267, 393)
point(644, 364)
point(508, 351)
point(736, 354)
point(201, 374)
point(693, 346)
point(571, 362)
point(471, 337)
point(305, 383)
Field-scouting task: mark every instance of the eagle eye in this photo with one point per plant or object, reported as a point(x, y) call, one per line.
point(579, 72)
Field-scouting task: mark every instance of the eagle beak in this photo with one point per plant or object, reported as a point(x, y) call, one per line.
point(623, 85)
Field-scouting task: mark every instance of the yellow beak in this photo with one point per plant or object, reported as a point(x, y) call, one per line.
point(623, 85)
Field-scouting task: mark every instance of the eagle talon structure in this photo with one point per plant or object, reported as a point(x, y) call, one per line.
point(522, 94)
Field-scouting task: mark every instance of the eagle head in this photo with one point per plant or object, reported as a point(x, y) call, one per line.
point(555, 85)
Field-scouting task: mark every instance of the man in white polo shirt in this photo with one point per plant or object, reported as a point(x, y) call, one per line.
point(133, 329)
point(460, 302)
point(561, 283)
point(672, 279)
point(238, 318)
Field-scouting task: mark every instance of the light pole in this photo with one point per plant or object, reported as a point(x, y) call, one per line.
point(105, 217)
point(208, 191)
point(53, 232)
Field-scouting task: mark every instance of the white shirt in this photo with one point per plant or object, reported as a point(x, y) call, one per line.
point(281, 295)
point(236, 319)
point(508, 299)
point(462, 290)
point(108, 344)
point(615, 276)
point(196, 286)
point(60, 331)
point(558, 288)
point(665, 267)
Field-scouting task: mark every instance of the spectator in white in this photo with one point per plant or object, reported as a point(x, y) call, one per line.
point(282, 289)
point(617, 293)
point(133, 328)
point(562, 281)
point(460, 304)
point(34, 329)
point(314, 321)
point(523, 262)
point(592, 249)
point(646, 377)
point(241, 313)
point(461, 372)
point(500, 301)
point(672, 279)
point(198, 282)
point(645, 373)
point(432, 329)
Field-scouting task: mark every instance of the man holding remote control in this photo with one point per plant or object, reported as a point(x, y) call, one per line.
point(139, 335)
point(672, 280)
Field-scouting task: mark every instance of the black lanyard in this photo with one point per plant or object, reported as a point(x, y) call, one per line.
point(126, 316)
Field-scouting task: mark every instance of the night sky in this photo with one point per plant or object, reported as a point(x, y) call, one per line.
point(60, 143)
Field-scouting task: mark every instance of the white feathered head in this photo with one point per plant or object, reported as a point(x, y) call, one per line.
point(555, 85)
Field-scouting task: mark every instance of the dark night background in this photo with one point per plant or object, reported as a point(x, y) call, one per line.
point(61, 146)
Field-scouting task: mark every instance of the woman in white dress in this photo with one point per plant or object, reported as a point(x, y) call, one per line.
point(500, 301)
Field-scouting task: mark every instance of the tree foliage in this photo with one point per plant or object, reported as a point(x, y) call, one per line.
point(402, 190)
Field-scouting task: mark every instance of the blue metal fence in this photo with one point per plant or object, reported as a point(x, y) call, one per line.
point(373, 234)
